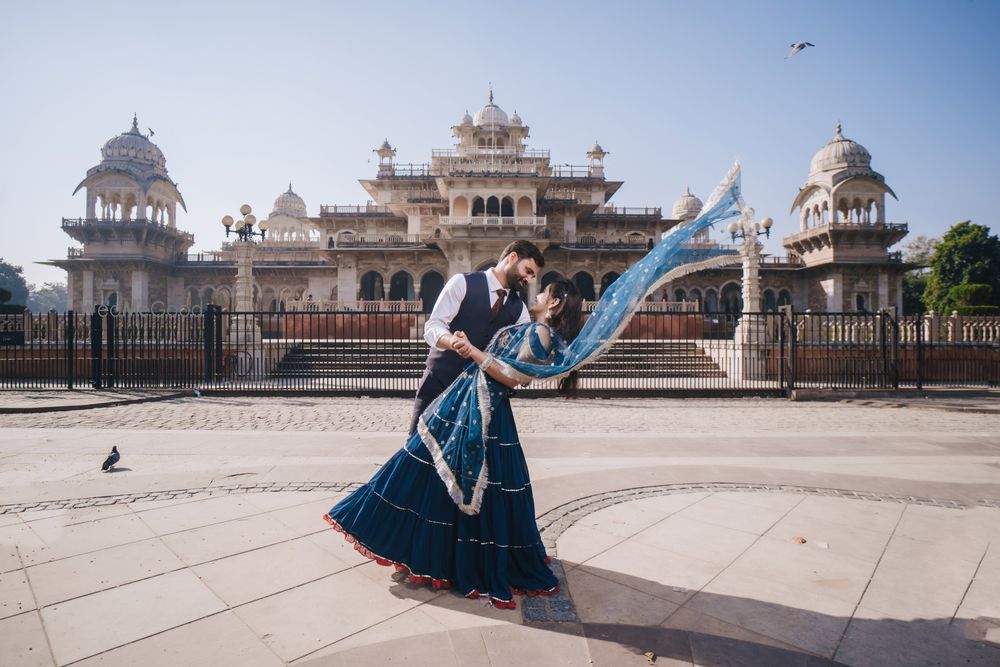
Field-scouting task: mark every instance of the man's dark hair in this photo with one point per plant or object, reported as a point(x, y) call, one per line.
point(524, 250)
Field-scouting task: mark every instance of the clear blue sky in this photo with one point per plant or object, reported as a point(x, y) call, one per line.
point(247, 96)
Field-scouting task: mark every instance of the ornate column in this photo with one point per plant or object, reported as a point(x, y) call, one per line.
point(751, 332)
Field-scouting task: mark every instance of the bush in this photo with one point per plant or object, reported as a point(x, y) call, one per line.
point(971, 294)
point(978, 310)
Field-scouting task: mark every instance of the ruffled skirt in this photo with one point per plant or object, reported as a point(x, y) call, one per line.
point(404, 517)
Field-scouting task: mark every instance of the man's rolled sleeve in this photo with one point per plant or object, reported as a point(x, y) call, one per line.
point(445, 309)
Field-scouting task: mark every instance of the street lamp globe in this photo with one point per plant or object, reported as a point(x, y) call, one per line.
point(245, 209)
point(227, 221)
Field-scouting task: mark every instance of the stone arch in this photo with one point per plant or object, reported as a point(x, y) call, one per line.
point(711, 300)
point(695, 295)
point(524, 207)
point(493, 206)
point(372, 286)
point(478, 206)
point(585, 283)
point(223, 297)
point(345, 236)
point(635, 238)
point(784, 297)
point(549, 278)
point(731, 298)
point(460, 207)
point(507, 207)
point(608, 279)
point(770, 300)
point(206, 295)
point(401, 287)
point(680, 294)
point(193, 298)
point(431, 284)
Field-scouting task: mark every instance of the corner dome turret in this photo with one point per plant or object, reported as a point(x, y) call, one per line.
point(687, 207)
point(840, 153)
point(290, 204)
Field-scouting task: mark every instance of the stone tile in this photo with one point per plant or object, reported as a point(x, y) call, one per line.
point(22, 642)
point(967, 532)
point(902, 588)
point(654, 571)
point(694, 621)
point(306, 518)
point(9, 559)
point(874, 639)
point(221, 639)
point(185, 516)
point(409, 629)
point(72, 577)
point(611, 646)
point(810, 570)
point(599, 600)
point(208, 543)
point(95, 623)
point(526, 645)
point(10, 519)
point(23, 538)
point(983, 596)
point(15, 594)
point(628, 518)
point(777, 500)
point(879, 516)
point(711, 650)
point(697, 539)
point(381, 575)
point(80, 538)
point(730, 513)
point(852, 541)
point(801, 619)
point(271, 501)
point(334, 542)
point(581, 543)
point(307, 618)
point(261, 572)
point(456, 612)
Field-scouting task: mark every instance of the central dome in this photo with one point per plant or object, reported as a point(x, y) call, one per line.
point(687, 207)
point(840, 153)
point(133, 146)
point(491, 115)
point(289, 204)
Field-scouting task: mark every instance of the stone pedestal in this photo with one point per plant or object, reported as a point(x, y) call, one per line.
point(244, 330)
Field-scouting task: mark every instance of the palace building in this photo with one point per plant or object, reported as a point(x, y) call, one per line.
point(427, 221)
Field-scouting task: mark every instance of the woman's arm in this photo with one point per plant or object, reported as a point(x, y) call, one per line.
point(493, 370)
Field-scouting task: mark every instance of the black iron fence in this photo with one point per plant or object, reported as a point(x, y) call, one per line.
point(382, 353)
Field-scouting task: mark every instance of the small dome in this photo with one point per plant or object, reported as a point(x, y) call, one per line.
point(466, 119)
point(840, 153)
point(384, 147)
point(135, 147)
point(289, 204)
point(516, 120)
point(687, 207)
point(596, 148)
point(491, 115)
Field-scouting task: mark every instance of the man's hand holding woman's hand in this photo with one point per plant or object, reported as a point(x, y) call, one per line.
point(460, 344)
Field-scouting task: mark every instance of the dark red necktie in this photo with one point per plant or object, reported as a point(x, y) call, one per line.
point(498, 304)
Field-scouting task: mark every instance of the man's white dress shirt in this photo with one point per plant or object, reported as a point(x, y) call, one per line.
point(450, 300)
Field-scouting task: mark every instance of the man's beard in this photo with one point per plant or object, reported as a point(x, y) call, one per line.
point(514, 279)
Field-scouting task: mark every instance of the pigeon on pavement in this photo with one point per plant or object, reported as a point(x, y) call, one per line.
point(798, 46)
point(112, 459)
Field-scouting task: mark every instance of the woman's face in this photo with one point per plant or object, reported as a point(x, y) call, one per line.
point(543, 302)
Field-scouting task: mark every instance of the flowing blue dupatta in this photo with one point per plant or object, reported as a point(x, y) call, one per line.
point(454, 428)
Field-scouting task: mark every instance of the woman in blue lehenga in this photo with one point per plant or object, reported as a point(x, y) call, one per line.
point(475, 532)
point(453, 508)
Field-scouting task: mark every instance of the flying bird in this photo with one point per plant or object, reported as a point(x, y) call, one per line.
point(111, 460)
point(151, 133)
point(796, 48)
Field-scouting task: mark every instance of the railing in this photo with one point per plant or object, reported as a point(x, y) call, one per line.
point(571, 171)
point(205, 258)
point(380, 306)
point(69, 223)
point(655, 306)
point(337, 211)
point(74, 252)
point(492, 221)
point(378, 349)
point(461, 166)
point(379, 241)
point(405, 171)
point(602, 245)
point(506, 151)
point(654, 211)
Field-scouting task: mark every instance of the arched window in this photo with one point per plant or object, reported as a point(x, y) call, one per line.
point(608, 279)
point(732, 299)
point(524, 207)
point(711, 301)
point(460, 208)
point(193, 298)
point(372, 288)
point(585, 283)
point(680, 294)
point(492, 206)
point(401, 287)
point(478, 206)
point(770, 301)
point(507, 207)
point(784, 298)
point(695, 295)
point(431, 285)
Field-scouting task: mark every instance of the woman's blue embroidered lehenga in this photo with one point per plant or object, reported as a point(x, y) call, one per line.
point(454, 507)
point(405, 516)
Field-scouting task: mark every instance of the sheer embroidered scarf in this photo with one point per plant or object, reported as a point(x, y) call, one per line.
point(455, 427)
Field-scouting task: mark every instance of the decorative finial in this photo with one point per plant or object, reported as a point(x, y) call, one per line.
point(687, 190)
point(491, 92)
point(135, 122)
point(290, 187)
point(839, 135)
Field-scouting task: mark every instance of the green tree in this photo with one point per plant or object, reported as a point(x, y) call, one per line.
point(918, 251)
point(967, 254)
point(12, 279)
point(51, 296)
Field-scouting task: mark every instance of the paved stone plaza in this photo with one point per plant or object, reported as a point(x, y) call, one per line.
point(674, 523)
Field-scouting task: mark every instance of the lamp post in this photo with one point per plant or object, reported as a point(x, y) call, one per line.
point(751, 330)
point(244, 333)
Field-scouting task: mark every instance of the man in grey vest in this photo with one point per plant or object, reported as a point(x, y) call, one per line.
point(478, 304)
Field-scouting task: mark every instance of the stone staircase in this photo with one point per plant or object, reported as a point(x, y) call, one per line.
point(405, 359)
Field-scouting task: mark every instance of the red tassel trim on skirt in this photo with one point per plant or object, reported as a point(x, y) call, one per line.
point(419, 579)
